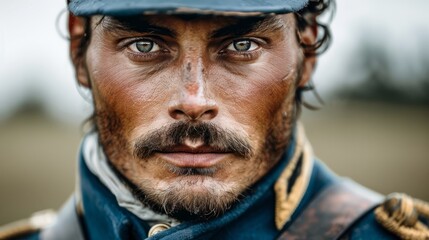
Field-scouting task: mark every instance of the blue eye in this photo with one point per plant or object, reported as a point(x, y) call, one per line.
point(242, 45)
point(144, 46)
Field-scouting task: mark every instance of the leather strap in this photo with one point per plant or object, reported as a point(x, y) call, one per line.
point(332, 212)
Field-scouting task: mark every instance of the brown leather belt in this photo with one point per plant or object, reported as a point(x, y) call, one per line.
point(332, 212)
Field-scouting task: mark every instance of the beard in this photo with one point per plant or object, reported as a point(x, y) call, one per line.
point(189, 199)
point(194, 193)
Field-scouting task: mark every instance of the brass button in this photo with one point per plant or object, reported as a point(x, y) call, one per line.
point(157, 228)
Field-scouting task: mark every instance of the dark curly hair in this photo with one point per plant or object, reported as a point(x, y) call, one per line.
point(308, 16)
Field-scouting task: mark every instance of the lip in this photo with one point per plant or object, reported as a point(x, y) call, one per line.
point(200, 157)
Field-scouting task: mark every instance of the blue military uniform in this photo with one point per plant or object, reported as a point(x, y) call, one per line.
point(100, 216)
point(299, 198)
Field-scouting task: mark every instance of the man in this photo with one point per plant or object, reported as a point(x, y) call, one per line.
point(195, 129)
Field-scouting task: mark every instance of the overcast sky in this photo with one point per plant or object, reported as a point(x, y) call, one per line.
point(34, 63)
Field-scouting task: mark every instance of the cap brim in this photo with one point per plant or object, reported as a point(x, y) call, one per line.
point(215, 7)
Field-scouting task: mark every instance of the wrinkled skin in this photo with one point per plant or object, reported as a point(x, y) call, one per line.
point(144, 82)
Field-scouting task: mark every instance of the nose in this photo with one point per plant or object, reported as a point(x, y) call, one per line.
point(194, 108)
point(193, 103)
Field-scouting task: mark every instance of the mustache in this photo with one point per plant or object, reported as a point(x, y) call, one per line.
point(165, 138)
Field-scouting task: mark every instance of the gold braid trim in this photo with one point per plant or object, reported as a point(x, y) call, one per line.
point(286, 204)
point(36, 222)
point(400, 215)
point(422, 207)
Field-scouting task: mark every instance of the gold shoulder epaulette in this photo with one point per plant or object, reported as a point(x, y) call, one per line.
point(36, 222)
point(400, 215)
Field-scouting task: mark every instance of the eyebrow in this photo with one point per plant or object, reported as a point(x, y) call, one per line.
point(249, 25)
point(240, 27)
point(136, 24)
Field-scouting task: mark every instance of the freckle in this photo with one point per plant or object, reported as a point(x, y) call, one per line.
point(192, 88)
point(189, 66)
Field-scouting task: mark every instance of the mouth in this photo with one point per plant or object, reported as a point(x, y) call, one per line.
point(193, 156)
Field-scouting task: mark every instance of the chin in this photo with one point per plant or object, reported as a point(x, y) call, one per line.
point(189, 197)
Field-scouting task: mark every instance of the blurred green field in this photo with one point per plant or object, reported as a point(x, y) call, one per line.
point(385, 147)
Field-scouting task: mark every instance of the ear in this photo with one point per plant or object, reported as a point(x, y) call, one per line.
point(308, 37)
point(76, 27)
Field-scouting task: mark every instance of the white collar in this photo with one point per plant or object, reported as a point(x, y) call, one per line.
point(96, 161)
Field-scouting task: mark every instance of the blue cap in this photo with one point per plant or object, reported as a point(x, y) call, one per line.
point(216, 7)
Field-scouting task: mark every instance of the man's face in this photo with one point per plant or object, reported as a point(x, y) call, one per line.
point(193, 110)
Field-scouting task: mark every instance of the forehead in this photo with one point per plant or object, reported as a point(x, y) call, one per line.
point(174, 24)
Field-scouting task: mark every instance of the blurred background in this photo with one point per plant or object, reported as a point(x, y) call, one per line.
point(373, 127)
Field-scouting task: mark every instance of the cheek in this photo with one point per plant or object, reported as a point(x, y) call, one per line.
point(125, 90)
point(255, 96)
